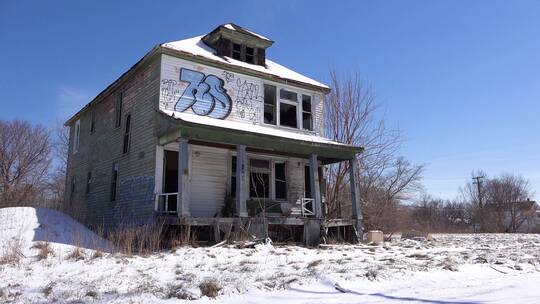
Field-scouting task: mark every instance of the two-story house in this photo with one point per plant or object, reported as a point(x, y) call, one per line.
point(207, 131)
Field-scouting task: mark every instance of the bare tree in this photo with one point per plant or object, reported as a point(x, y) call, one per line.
point(506, 204)
point(57, 177)
point(25, 158)
point(385, 178)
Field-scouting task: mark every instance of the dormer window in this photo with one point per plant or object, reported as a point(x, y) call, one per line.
point(250, 55)
point(233, 41)
point(237, 51)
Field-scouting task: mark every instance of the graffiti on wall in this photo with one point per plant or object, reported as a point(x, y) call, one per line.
point(247, 100)
point(205, 95)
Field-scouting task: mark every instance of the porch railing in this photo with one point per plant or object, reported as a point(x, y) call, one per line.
point(166, 202)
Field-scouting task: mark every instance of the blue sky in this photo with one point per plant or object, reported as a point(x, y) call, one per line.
point(460, 79)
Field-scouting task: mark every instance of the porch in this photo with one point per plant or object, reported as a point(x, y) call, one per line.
point(243, 183)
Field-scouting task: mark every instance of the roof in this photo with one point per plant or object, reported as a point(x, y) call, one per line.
point(195, 46)
point(237, 28)
point(246, 127)
point(261, 137)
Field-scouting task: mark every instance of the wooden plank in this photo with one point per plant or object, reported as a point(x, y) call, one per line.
point(314, 184)
point(183, 199)
point(355, 193)
point(241, 164)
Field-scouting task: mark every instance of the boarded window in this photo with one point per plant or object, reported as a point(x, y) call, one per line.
point(287, 115)
point(280, 181)
point(114, 182)
point(237, 51)
point(269, 104)
point(118, 110)
point(307, 115)
point(127, 132)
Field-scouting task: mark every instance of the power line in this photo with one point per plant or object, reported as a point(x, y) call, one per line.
point(478, 182)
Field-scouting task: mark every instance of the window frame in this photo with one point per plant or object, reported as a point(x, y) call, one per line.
point(77, 136)
point(118, 110)
point(114, 182)
point(299, 107)
point(126, 138)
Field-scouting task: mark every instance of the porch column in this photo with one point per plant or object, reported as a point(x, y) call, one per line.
point(314, 185)
point(355, 192)
point(241, 160)
point(182, 199)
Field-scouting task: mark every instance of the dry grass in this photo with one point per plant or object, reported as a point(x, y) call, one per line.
point(314, 263)
point(209, 288)
point(76, 254)
point(132, 239)
point(97, 254)
point(44, 250)
point(11, 253)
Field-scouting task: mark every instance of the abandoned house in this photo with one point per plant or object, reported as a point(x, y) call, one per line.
point(207, 132)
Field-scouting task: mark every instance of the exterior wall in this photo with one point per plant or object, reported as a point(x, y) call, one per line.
point(100, 149)
point(242, 94)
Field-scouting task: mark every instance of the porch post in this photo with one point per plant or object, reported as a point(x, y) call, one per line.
point(355, 193)
point(314, 184)
point(241, 160)
point(182, 199)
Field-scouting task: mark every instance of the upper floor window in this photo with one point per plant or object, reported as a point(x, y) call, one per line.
point(307, 116)
point(269, 104)
point(93, 122)
point(295, 109)
point(288, 108)
point(127, 132)
point(243, 53)
point(118, 110)
point(76, 136)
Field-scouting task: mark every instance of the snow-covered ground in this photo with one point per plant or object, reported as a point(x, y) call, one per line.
point(490, 268)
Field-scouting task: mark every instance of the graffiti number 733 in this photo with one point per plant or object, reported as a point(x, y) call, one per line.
point(204, 94)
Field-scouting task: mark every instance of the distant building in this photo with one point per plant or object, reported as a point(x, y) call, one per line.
point(206, 131)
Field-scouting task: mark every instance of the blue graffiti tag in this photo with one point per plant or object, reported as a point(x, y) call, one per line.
point(204, 94)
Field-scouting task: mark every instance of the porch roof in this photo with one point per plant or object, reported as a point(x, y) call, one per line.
point(254, 136)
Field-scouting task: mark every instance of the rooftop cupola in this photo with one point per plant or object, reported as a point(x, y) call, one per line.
point(238, 43)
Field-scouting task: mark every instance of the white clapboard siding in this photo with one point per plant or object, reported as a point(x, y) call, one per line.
point(208, 180)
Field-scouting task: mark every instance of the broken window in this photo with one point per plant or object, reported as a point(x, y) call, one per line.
point(269, 104)
point(307, 116)
point(118, 110)
point(114, 181)
point(287, 115)
point(280, 181)
point(288, 95)
point(127, 133)
point(259, 178)
point(237, 51)
point(250, 55)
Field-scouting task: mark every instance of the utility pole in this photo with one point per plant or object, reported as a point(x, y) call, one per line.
point(478, 182)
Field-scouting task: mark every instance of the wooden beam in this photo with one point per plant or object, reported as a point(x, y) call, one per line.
point(183, 197)
point(355, 193)
point(241, 159)
point(314, 184)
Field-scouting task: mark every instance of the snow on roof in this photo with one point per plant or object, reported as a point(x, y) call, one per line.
point(234, 27)
point(234, 125)
point(197, 47)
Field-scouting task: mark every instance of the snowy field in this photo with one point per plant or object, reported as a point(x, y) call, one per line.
point(490, 268)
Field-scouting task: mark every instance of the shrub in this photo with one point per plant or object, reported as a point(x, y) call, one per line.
point(209, 288)
point(44, 250)
point(12, 252)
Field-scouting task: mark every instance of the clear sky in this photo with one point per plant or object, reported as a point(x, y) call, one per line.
point(461, 79)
